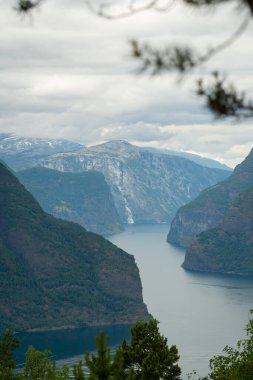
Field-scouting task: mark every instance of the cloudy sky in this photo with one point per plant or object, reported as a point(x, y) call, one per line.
point(67, 73)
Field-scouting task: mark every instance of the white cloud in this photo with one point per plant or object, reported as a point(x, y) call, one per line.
point(69, 74)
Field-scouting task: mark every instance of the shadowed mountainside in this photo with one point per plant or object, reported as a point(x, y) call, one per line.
point(83, 198)
point(208, 209)
point(54, 274)
point(229, 247)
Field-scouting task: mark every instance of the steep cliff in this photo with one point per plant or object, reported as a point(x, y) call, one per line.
point(83, 198)
point(147, 187)
point(208, 209)
point(229, 247)
point(54, 274)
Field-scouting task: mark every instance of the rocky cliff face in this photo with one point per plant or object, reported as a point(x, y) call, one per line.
point(54, 274)
point(229, 247)
point(208, 209)
point(147, 187)
point(83, 198)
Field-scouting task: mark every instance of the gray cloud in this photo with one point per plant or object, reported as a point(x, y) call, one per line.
point(69, 75)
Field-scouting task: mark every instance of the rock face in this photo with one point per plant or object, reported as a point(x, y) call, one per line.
point(22, 153)
point(208, 209)
point(83, 198)
point(229, 247)
point(147, 187)
point(54, 274)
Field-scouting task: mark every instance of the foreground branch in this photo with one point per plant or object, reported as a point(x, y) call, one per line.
point(105, 10)
point(26, 6)
point(223, 100)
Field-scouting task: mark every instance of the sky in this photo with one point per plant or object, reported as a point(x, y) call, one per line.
point(68, 73)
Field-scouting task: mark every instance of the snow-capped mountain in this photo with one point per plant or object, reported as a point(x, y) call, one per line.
point(148, 187)
point(21, 152)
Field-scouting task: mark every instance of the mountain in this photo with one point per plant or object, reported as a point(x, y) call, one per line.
point(227, 248)
point(147, 187)
point(208, 209)
point(22, 153)
point(54, 274)
point(203, 161)
point(84, 198)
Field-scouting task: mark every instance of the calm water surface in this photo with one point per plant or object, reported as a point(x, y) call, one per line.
point(197, 312)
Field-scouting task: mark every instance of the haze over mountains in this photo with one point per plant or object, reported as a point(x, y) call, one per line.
point(147, 187)
point(25, 152)
point(83, 198)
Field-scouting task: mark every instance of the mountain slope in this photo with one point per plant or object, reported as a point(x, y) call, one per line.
point(227, 248)
point(146, 187)
point(22, 153)
point(54, 274)
point(207, 210)
point(203, 161)
point(84, 198)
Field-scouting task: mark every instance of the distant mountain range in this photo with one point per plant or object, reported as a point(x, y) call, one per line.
point(83, 198)
point(147, 187)
point(54, 274)
point(23, 153)
point(217, 227)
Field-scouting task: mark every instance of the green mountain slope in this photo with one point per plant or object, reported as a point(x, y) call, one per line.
point(83, 198)
point(229, 247)
point(54, 274)
point(208, 209)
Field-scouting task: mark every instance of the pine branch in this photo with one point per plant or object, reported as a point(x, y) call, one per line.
point(106, 10)
point(223, 99)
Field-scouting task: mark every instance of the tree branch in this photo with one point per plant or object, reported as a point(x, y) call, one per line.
point(104, 9)
point(223, 100)
point(26, 6)
point(180, 59)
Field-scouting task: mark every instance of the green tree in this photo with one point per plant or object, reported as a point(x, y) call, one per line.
point(78, 372)
point(8, 344)
point(235, 363)
point(149, 355)
point(38, 365)
point(100, 365)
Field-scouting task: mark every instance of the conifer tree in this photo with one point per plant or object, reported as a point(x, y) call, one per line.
point(78, 371)
point(149, 355)
point(8, 344)
point(100, 366)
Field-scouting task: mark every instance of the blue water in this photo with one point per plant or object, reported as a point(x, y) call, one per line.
point(199, 313)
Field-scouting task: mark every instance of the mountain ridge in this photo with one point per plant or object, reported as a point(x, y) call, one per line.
point(138, 178)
